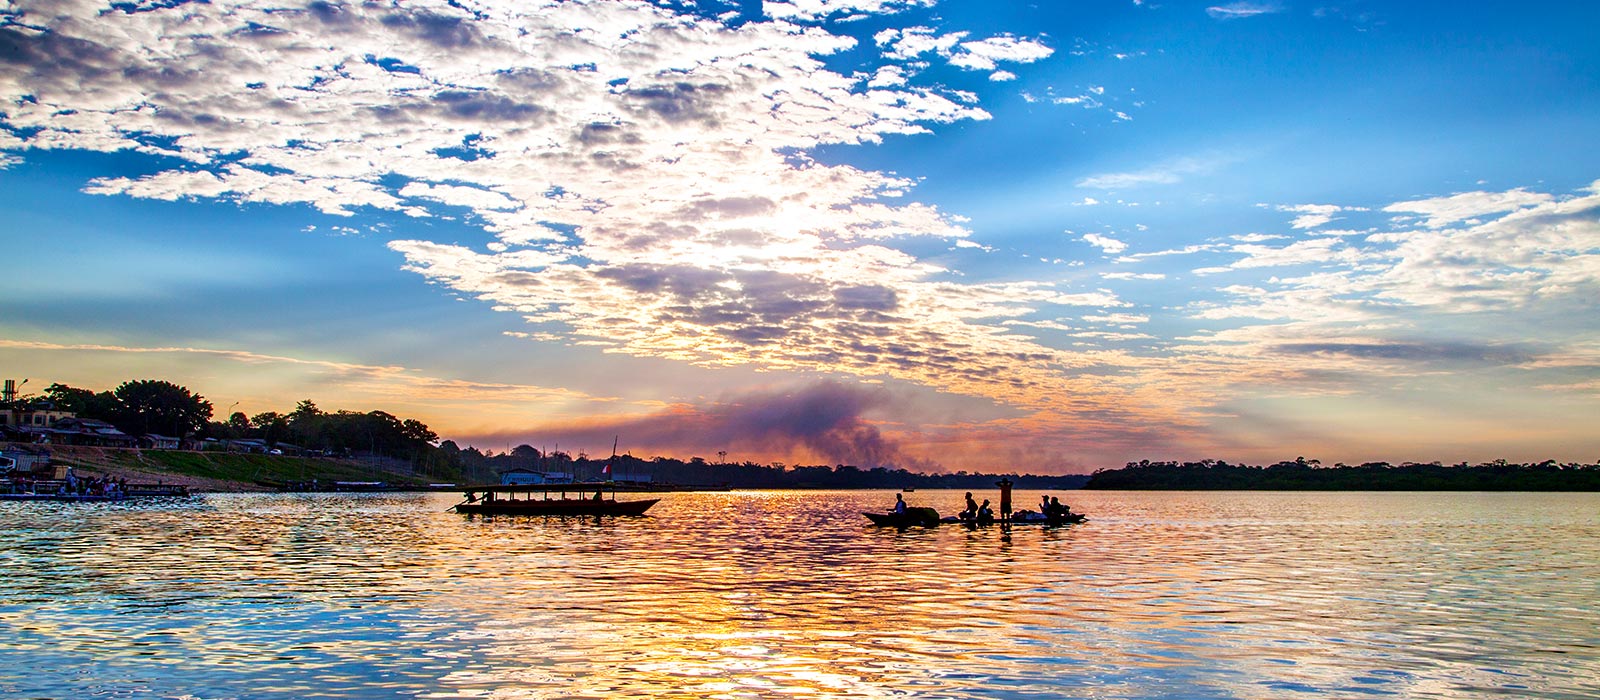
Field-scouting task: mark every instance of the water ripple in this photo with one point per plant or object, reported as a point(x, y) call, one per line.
point(768, 594)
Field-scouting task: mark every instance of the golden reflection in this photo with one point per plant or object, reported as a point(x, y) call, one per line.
point(767, 594)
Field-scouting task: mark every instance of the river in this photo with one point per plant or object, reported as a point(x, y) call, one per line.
point(791, 594)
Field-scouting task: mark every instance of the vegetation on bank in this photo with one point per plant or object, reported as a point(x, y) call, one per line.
point(1309, 475)
point(219, 470)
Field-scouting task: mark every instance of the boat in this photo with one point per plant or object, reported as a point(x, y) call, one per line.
point(1028, 517)
point(925, 517)
point(928, 517)
point(536, 500)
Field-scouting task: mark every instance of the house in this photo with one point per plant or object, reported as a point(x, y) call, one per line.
point(91, 432)
point(523, 475)
point(250, 445)
point(159, 442)
point(42, 414)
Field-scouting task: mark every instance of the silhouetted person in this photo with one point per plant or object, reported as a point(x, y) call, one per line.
point(1005, 498)
point(972, 508)
point(899, 505)
point(985, 515)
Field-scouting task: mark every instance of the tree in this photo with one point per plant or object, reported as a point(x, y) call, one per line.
point(154, 406)
point(273, 425)
point(83, 402)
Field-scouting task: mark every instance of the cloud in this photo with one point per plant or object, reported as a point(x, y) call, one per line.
point(1413, 352)
point(1133, 276)
point(1444, 211)
point(1240, 10)
point(643, 172)
point(1314, 215)
point(988, 53)
point(913, 43)
point(1171, 172)
point(1109, 245)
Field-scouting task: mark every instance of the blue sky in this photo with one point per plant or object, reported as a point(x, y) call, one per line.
point(950, 235)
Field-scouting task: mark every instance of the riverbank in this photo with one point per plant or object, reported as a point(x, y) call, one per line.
point(210, 471)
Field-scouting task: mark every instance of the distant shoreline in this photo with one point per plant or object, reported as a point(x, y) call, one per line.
point(1303, 475)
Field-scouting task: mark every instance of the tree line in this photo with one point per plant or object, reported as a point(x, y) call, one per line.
point(145, 407)
point(156, 407)
point(698, 471)
point(1301, 474)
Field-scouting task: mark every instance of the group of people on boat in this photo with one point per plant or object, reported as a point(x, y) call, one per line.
point(1051, 509)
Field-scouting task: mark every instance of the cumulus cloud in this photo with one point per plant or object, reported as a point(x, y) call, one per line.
point(1109, 245)
point(915, 43)
point(644, 172)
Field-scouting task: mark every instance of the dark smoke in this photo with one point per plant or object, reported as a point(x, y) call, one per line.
point(824, 419)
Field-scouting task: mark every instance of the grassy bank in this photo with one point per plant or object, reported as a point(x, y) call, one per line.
point(213, 471)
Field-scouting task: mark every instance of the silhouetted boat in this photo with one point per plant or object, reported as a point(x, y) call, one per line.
point(536, 500)
point(925, 517)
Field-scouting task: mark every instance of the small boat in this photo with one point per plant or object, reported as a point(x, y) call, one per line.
point(925, 517)
point(1028, 517)
point(537, 500)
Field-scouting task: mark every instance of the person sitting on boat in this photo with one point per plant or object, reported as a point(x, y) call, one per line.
point(899, 505)
point(599, 495)
point(1058, 510)
point(985, 515)
point(972, 508)
point(1044, 504)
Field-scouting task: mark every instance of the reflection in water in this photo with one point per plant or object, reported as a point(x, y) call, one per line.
point(765, 594)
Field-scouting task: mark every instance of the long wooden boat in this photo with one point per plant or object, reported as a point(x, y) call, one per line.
point(537, 500)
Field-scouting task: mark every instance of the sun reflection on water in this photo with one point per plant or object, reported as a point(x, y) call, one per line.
point(769, 594)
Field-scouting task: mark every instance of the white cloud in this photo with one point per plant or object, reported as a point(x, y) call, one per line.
point(1118, 319)
point(1109, 245)
point(1167, 173)
point(1315, 215)
point(988, 53)
point(1239, 10)
point(914, 43)
point(1133, 276)
point(471, 197)
point(643, 172)
point(1443, 211)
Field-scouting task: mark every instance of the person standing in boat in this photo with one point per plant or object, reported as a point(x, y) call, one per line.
point(1005, 498)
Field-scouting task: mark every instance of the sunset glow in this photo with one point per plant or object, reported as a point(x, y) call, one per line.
point(887, 233)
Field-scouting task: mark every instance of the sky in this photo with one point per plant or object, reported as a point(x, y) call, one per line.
point(1046, 237)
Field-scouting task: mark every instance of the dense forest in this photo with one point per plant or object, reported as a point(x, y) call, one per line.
point(1309, 475)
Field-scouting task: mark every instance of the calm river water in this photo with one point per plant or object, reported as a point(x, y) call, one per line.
point(790, 594)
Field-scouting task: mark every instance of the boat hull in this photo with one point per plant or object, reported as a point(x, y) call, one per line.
point(925, 517)
point(556, 506)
